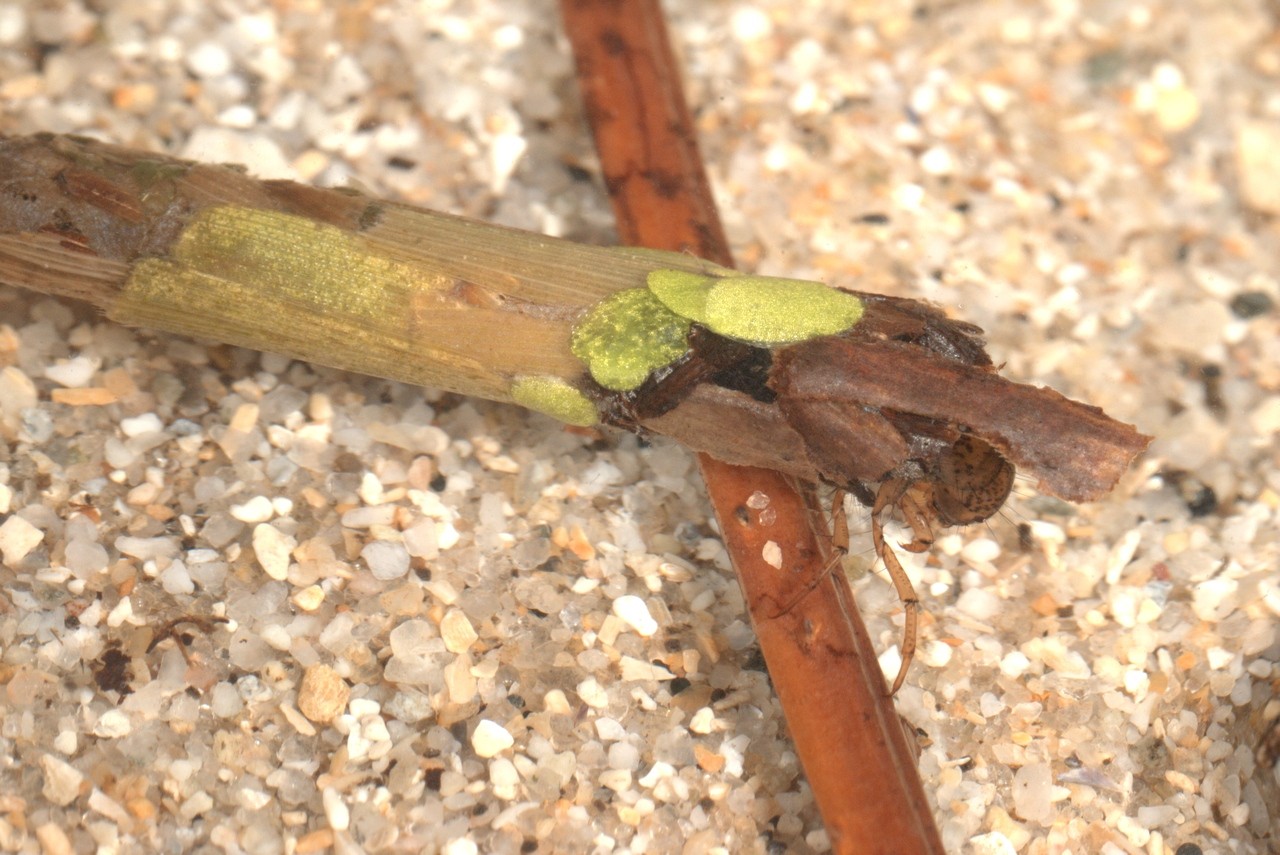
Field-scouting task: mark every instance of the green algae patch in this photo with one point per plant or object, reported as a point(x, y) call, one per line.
point(555, 397)
point(682, 292)
point(628, 335)
point(761, 310)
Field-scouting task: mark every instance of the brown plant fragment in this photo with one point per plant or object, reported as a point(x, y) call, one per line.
point(822, 663)
point(1074, 450)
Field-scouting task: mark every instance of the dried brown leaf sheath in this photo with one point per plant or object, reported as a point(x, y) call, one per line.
point(1074, 450)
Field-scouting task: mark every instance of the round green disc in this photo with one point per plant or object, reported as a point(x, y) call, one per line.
point(554, 397)
point(760, 310)
point(628, 335)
